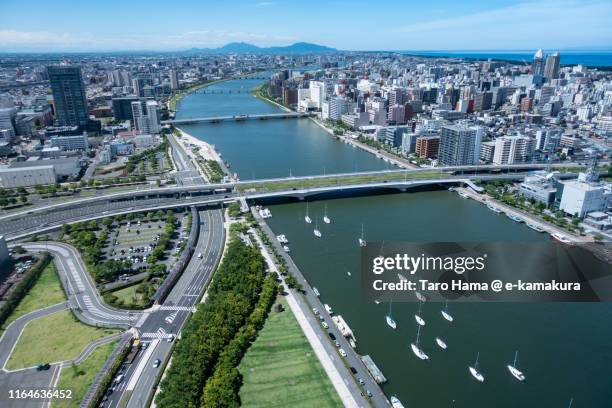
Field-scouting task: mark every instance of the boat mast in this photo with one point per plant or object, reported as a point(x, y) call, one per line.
point(418, 335)
point(476, 364)
point(515, 355)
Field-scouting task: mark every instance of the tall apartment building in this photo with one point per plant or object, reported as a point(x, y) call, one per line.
point(174, 79)
point(537, 65)
point(146, 116)
point(427, 147)
point(513, 149)
point(551, 69)
point(460, 145)
point(318, 93)
point(68, 95)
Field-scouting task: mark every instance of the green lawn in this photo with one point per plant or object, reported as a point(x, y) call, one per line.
point(56, 337)
point(46, 291)
point(281, 370)
point(130, 297)
point(78, 378)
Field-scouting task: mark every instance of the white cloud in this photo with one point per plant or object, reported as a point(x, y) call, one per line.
point(540, 23)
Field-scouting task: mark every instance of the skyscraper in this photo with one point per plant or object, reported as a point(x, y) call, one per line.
point(68, 95)
point(146, 116)
point(551, 69)
point(460, 145)
point(174, 79)
point(537, 65)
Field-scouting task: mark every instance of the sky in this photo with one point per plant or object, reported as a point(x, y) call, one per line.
point(111, 25)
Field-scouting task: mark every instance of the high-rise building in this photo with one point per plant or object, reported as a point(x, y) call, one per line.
point(537, 65)
point(7, 121)
point(122, 107)
point(551, 69)
point(460, 145)
point(68, 95)
point(146, 116)
point(513, 149)
point(174, 79)
point(427, 146)
point(318, 93)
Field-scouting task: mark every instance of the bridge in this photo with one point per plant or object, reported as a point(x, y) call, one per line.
point(37, 220)
point(238, 118)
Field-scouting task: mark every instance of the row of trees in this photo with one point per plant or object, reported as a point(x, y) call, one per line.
point(222, 388)
point(232, 296)
point(164, 240)
point(150, 155)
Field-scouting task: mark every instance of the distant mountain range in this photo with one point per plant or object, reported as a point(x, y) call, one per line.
point(245, 48)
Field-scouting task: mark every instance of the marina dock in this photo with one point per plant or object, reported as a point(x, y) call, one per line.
point(373, 369)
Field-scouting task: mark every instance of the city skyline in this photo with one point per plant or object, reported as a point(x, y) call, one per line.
point(66, 26)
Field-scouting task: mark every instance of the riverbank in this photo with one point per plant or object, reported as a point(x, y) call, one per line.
point(174, 99)
point(259, 93)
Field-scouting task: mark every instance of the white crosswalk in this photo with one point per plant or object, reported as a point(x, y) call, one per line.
point(89, 305)
point(178, 308)
point(159, 334)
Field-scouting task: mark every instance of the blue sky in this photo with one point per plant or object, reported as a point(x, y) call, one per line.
point(61, 25)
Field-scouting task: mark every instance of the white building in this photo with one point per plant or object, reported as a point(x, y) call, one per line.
point(75, 142)
point(146, 116)
point(513, 149)
point(579, 198)
point(339, 106)
point(25, 177)
point(318, 94)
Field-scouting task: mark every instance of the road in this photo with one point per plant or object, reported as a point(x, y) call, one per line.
point(378, 398)
point(187, 173)
point(83, 297)
point(168, 319)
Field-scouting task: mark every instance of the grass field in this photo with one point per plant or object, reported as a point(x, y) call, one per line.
point(46, 291)
point(56, 337)
point(78, 378)
point(281, 369)
point(130, 297)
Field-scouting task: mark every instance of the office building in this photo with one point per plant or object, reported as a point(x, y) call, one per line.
point(551, 69)
point(174, 79)
point(146, 116)
point(75, 142)
point(68, 95)
point(460, 145)
point(513, 149)
point(580, 197)
point(318, 93)
point(339, 106)
point(537, 65)
point(122, 107)
point(427, 146)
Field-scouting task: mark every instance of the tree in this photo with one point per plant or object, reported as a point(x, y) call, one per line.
point(23, 199)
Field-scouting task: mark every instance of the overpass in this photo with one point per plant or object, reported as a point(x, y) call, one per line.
point(238, 118)
point(84, 210)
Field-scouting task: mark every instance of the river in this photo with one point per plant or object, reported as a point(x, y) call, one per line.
point(564, 349)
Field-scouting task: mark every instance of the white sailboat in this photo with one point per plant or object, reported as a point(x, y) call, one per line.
point(418, 317)
point(325, 217)
point(395, 402)
point(441, 343)
point(307, 217)
point(362, 241)
point(392, 324)
point(445, 314)
point(516, 373)
point(415, 347)
point(419, 295)
point(316, 231)
point(474, 370)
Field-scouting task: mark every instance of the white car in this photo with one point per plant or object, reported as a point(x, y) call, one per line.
point(200, 255)
point(342, 352)
point(325, 325)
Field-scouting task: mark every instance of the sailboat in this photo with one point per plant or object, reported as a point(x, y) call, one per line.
point(415, 347)
point(516, 373)
point(325, 217)
point(389, 319)
point(362, 241)
point(441, 343)
point(417, 316)
point(474, 370)
point(316, 231)
point(445, 313)
point(307, 217)
point(418, 295)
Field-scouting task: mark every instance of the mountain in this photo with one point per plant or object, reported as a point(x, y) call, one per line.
point(245, 48)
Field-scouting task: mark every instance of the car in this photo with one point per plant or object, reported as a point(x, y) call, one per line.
point(369, 393)
point(361, 381)
point(315, 311)
point(353, 370)
point(119, 378)
point(325, 325)
point(337, 343)
point(170, 338)
point(342, 352)
point(156, 363)
point(43, 367)
point(200, 255)
point(331, 335)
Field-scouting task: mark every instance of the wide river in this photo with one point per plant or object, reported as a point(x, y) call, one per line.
point(565, 350)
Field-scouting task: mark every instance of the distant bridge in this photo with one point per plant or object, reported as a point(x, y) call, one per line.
point(238, 118)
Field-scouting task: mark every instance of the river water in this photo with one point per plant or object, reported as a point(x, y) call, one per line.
point(565, 350)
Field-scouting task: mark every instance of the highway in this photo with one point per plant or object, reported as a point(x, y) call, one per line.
point(165, 321)
point(83, 297)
